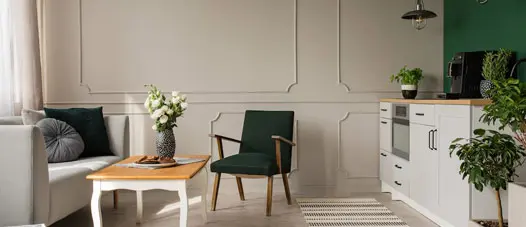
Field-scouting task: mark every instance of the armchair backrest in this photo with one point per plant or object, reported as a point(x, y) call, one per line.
point(258, 128)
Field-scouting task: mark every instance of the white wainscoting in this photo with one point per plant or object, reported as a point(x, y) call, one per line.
point(329, 61)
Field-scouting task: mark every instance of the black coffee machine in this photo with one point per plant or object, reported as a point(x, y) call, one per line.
point(465, 73)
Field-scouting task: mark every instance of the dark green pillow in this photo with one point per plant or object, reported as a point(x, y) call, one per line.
point(89, 123)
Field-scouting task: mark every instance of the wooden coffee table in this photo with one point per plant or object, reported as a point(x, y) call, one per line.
point(170, 179)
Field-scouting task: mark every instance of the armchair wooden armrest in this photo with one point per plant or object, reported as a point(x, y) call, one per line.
point(225, 138)
point(219, 140)
point(277, 140)
point(284, 140)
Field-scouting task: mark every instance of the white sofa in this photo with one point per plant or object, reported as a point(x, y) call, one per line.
point(33, 191)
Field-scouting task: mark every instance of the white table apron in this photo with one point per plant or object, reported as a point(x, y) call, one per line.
point(144, 185)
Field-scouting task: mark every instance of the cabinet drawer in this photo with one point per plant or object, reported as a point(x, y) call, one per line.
point(422, 114)
point(386, 171)
point(385, 110)
point(386, 134)
point(401, 175)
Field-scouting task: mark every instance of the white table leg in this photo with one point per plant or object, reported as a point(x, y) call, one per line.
point(95, 204)
point(183, 219)
point(139, 207)
point(204, 191)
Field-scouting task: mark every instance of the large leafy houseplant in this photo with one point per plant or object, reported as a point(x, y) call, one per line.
point(489, 159)
point(492, 159)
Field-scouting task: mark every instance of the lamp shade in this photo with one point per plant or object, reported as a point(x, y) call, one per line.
point(422, 13)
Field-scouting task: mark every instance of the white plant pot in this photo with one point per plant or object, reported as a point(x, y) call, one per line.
point(516, 204)
point(408, 87)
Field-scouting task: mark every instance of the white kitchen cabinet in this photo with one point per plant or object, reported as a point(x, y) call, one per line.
point(424, 162)
point(452, 121)
point(422, 114)
point(386, 134)
point(386, 172)
point(430, 182)
point(401, 175)
point(385, 110)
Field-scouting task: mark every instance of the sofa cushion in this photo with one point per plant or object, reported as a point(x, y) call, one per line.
point(69, 188)
point(31, 117)
point(11, 120)
point(92, 163)
point(89, 123)
point(63, 143)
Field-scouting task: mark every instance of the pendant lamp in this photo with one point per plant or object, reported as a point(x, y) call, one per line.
point(419, 16)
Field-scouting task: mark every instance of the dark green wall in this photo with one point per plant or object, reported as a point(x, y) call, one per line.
point(469, 26)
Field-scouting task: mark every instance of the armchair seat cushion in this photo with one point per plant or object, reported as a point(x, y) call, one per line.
point(246, 163)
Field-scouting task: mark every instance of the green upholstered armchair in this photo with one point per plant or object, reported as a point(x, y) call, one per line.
point(265, 150)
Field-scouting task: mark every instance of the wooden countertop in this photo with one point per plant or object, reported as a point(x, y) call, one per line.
point(471, 102)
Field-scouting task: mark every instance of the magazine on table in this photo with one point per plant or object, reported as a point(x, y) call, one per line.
point(178, 161)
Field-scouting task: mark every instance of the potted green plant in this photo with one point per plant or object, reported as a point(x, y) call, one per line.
point(489, 159)
point(409, 79)
point(508, 108)
point(495, 67)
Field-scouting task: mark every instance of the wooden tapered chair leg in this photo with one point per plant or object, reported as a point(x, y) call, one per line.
point(216, 190)
point(287, 189)
point(269, 195)
point(115, 199)
point(240, 189)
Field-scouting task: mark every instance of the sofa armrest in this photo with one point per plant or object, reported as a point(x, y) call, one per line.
point(24, 177)
point(119, 134)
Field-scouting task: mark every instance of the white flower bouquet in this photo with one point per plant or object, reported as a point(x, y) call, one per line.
point(164, 111)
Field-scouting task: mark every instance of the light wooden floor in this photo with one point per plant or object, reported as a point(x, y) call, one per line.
point(160, 209)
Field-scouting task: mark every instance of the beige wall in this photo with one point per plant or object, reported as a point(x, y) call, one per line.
point(327, 60)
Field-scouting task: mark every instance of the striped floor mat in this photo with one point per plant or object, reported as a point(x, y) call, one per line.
point(343, 212)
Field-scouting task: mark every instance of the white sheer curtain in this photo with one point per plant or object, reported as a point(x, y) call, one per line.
point(7, 77)
point(20, 69)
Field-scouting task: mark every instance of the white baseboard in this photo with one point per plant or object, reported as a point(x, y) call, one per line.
point(395, 195)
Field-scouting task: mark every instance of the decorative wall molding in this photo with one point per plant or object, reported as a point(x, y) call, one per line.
point(338, 49)
point(339, 81)
point(295, 165)
point(211, 131)
point(211, 102)
point(91, 91)
point(341, 168)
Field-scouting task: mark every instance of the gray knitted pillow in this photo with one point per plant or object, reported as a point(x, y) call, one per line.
point(63, 143)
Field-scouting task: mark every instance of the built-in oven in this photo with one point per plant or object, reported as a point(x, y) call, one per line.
point(401, 130)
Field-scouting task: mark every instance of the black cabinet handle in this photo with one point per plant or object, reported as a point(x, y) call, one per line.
point(382, 154)
point(397, 166)
point(383, 122)
point(429, 139)
point(419, 114)
point(384, 110)
point(397, 183)
point(433, 139)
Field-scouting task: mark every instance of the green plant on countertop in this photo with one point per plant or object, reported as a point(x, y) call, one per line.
point(495, 65)
point(408, 76)
point(489, 159)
